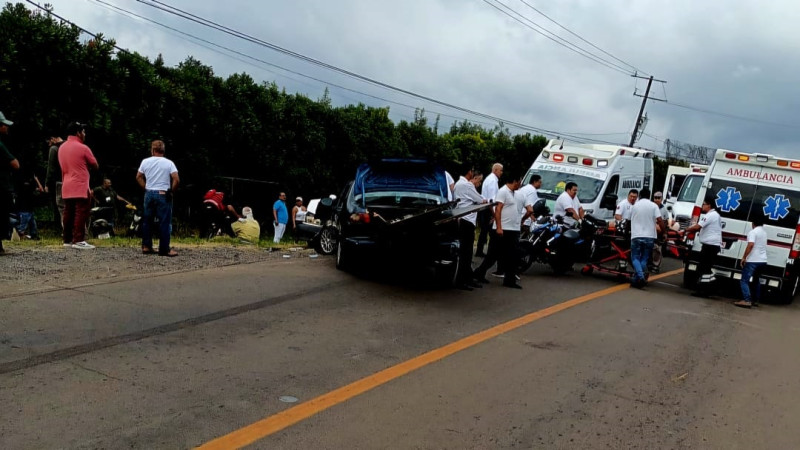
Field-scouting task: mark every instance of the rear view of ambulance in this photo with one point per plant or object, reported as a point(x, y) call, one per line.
point(744, 185)
point(604, 174)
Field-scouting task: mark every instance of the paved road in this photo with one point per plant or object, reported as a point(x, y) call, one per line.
point(180, 360)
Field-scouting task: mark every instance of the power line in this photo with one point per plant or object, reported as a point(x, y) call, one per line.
point(210, 24)
point(566, 44)
point(581, 38)
point(732, 116)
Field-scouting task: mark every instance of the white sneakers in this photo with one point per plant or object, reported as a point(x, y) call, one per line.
point(83, 245)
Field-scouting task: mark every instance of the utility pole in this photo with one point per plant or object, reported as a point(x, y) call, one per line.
point(645, 97)
point(641, 111)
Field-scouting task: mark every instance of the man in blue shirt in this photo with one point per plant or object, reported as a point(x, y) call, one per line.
point(280, 217)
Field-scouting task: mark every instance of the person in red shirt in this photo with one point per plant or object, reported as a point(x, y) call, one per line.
point(76, 159)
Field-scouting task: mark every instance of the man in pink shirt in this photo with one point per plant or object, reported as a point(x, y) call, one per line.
point(76, 159)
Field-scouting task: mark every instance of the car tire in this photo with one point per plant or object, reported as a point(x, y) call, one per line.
point(342, 255)
point(446, 274)
point(326, 241)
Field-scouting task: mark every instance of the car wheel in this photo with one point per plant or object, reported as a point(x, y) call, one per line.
point(446, 274)
point(341, 257)
point(789, 290)
point(326, 242)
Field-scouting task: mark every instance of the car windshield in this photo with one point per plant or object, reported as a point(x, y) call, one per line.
point(690, 188)
point(553, 184)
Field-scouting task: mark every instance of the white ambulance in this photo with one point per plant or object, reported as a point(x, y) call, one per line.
point(744, 185)
point(604, 174)
point(680, 191)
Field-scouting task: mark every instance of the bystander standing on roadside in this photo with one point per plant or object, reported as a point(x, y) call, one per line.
point(488, 191)
point(466, 194)
point(527, 196)
point(645, 221)
point(504, 242)
point(158, 176)
point(280, 216)
point(7, 163)
point(76, 159)
point(298, 213)
point(753, 263)
point(710, 236)
point(52, 180)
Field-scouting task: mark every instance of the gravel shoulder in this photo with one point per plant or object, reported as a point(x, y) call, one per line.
point(35, 268)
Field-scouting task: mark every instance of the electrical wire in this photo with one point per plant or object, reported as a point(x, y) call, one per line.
point(566, 44)
point(731, 116)
point(230, 31)
point(637, 70)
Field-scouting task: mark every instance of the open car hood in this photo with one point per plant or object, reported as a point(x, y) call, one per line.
point(400, 174)
point(437, 215)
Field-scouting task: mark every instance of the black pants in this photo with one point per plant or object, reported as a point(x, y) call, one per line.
point(510, 256)
point(492, 256)
point(466, 238)
point(707, 255)
point(6, 205)
point(485, 224)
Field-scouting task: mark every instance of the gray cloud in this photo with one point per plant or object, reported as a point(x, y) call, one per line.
point(738, 58)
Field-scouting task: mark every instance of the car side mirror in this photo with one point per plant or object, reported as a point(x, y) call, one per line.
point(609, 202)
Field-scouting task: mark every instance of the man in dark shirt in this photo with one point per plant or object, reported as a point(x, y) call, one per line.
point(7, 163)
point(106, 197)
point(52, 179)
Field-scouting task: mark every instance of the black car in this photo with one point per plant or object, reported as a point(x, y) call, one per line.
point(317, 227)
point(396, 210)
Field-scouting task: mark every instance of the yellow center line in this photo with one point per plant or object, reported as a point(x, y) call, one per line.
point(284, 419)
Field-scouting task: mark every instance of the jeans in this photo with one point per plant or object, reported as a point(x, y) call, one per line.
point(76, 213)
point(27, 224)
point(279, 229)
point(641, 248)
point(157, 204)
point(751, 270)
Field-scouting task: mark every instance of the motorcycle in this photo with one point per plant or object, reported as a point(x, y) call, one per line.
point(554, 243)
point(100, 222)
point(135, 228)
point(215, 222)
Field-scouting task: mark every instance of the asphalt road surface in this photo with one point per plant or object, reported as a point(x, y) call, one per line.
point(293, 354)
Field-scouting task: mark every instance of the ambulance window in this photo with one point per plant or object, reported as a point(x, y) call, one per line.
point(733, 199)
point(780, 207)
point(690, 189)
point(613, 185)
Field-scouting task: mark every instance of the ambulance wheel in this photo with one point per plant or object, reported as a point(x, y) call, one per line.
point(689, 278)
point(789, 290)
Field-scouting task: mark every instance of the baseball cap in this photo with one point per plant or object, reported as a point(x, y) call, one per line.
point(657, 195)
point(299, 199)
point(5, 121)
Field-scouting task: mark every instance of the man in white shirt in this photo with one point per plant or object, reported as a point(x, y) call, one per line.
point(451, 184)
point(467, 195)
point(488, 191)
point(503, 247)
point(568, 202)
point(623, 211)
point(645, 216)
point(710, 235)
point(527, 196)
point(754, 261)
point(158, 176)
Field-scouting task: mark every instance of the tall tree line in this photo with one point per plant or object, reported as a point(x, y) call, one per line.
point(213, 126)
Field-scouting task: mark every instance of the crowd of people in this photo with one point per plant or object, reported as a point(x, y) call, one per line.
point(70, 164)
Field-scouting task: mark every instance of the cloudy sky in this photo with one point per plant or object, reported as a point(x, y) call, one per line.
point(738, 60)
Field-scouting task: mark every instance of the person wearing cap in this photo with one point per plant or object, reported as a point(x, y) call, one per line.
point(76, 159)
point(280, 217)
point(7, 163)
point(298, 212)
point(658, 199)
point(52, 179)
point(247, 228)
